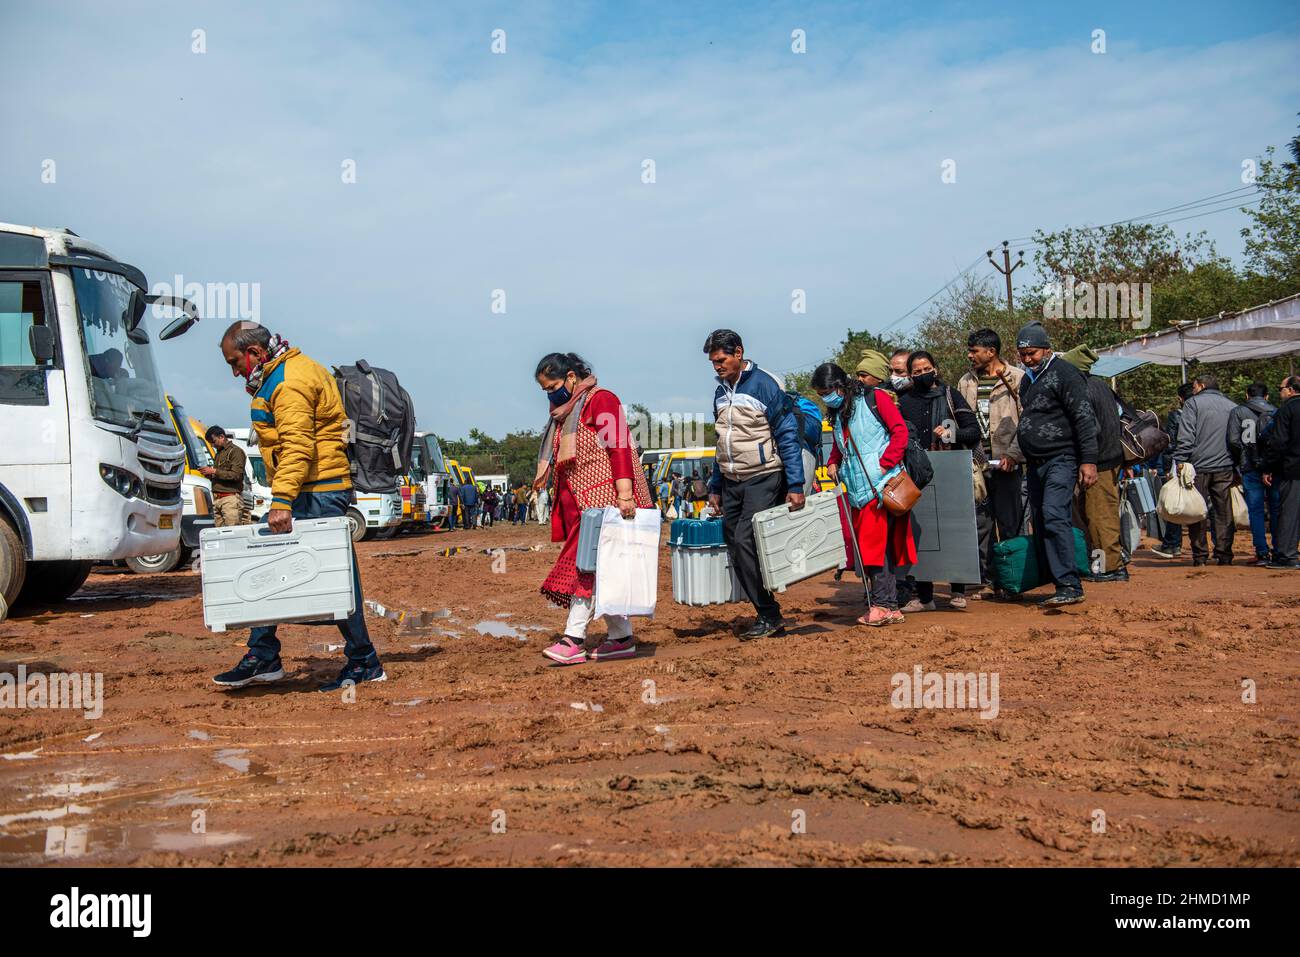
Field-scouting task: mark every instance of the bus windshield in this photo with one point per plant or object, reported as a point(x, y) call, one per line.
point(125, 387)
point(196, 450)
point(433, 455)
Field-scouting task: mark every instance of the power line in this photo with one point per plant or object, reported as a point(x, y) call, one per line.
point(1191, 204)
point(1146, 217)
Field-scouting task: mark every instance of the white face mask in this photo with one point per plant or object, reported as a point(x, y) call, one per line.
point(900, 382)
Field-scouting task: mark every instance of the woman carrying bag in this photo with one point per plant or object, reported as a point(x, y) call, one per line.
point(588, 457)
point(942, 420)
point(870, 438)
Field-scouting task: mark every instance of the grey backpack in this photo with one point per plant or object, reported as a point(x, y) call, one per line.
point(380, 427)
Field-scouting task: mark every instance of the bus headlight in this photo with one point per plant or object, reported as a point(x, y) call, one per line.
point(121, 481)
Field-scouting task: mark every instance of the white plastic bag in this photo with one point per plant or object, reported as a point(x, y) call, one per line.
point(627, 563)
point(1240, 513)
point(1180, 502)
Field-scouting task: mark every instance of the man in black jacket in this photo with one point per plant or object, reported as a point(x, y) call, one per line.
point(1282, 463)
point(1097, 507)
point(1058, 437)
point(1246, 423)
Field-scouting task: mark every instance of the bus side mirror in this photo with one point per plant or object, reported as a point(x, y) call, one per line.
point(41, 340)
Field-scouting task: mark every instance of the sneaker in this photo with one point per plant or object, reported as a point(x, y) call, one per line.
point(566, 652)
point(879, 616)
point(1063, 596)
point(611, 649)
point(1167, 553)
point(958, 602)
point(916, 605)
point(251, 668)
point(1259, 561)
point(762, 628)
point(1278, 563)
point(355, 674)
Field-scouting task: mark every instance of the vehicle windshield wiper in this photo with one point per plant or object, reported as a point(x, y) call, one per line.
point(140, 416)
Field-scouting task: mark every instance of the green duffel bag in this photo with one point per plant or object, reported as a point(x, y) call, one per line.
point(1015, 563)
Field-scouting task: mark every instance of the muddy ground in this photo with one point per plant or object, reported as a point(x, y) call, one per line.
point(1126, 712)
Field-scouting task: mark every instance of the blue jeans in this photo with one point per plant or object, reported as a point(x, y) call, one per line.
point(1051, 502)
point(1260, 500)
point(262, 640)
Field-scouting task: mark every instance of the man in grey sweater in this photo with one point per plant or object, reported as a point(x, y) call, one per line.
point(1203, 442)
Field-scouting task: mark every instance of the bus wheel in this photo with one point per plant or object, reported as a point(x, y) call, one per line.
point(358, 522)
point(156, 564)
point(13, 564)
point(53, 582)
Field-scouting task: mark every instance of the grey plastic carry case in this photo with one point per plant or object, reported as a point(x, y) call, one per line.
point(793, 546)
point(589, 538)
point(252, 576)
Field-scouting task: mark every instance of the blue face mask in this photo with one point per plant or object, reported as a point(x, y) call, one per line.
point(559, 396)
point(833, 401)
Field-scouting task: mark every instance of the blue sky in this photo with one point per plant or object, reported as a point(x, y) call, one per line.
point(523, 171)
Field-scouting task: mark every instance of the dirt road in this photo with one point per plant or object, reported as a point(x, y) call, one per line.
point(1121, 734)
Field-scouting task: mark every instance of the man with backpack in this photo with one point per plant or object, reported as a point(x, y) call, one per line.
point(1058, 436)
point(301, 426)
point(757, 465)
point(1246, 423)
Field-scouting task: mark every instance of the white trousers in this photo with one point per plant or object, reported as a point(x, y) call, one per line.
point(580, 614)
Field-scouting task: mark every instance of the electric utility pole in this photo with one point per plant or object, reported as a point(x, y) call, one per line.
point(1006, 269)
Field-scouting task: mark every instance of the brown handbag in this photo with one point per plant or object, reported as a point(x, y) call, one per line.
point(898, 495)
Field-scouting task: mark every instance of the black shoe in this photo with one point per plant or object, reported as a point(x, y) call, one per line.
point(1277, 563)
point(1063, 596)
point(762, 628)
point(354, 674)
point(1163, 552)
point(251, 668)
point(1197, 562)
point(1116, 576)
point(1223, 561)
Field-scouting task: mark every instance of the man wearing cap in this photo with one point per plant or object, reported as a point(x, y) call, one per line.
point(1058, 436)
point(1097, 507)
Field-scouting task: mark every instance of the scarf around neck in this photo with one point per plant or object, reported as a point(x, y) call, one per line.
point(561, 417)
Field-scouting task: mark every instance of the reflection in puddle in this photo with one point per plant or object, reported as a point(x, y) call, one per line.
point(44, 814)
point(408, 622)
point(498, 629)
point(82, 840)
point(76, 789)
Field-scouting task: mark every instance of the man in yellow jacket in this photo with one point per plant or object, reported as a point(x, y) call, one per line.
point(300, 423)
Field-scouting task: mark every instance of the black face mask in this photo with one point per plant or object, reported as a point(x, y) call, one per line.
point(923, 382)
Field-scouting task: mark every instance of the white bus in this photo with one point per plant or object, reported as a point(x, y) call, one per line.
point(90, 463)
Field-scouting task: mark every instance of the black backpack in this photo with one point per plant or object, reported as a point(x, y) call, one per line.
point(916, 460)
point(380, 428)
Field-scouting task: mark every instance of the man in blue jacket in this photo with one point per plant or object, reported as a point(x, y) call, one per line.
point(759, 464)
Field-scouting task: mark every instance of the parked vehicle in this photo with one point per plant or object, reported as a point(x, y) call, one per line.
point(427, 454)
point(196, 498)
point(90, 469)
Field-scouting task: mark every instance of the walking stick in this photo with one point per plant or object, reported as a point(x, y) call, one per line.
point(847, 512)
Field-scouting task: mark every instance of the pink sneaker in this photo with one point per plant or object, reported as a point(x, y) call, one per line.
point(882, 616)
point(611, 649)
point(566, 652)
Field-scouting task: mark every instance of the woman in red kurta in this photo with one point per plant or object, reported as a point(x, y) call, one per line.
point(591, 461)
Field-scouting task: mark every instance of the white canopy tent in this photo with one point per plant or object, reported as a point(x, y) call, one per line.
point(1261, 332)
